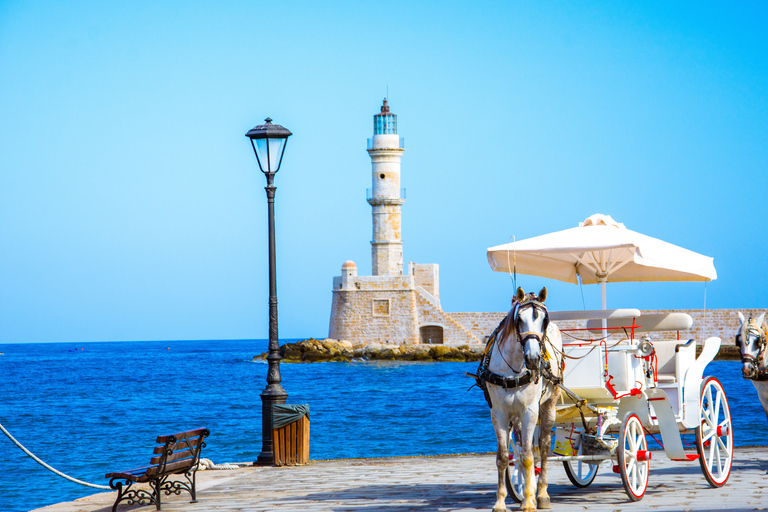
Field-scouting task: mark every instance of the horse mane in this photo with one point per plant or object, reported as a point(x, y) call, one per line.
point(506, 326)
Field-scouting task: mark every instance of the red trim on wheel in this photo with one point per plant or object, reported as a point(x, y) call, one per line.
point(726, 433)
point(633, 496)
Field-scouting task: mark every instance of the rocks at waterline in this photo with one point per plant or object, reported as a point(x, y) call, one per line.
point(314, 351)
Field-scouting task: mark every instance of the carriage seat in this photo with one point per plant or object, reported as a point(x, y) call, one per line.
point(669, 356)
point(646, 323)
point(669, 353)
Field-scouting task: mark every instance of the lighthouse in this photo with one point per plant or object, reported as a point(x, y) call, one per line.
point(385, 150)
point(397, 303)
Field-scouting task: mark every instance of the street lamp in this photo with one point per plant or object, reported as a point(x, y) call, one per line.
point(268, 141)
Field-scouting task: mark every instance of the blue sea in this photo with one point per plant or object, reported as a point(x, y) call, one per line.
point(91, 408)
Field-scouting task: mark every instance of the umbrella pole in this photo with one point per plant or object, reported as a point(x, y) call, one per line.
point(605, 303)
point(602, 285)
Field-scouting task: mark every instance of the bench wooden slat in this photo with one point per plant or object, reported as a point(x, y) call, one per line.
point(135, 472)
point(182, 444)
point(139, 478)
point(190, 433)
point(181, 454)
point(174, 467)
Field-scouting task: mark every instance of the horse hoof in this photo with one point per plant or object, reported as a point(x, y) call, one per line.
point(502, 509)
point(542, 502)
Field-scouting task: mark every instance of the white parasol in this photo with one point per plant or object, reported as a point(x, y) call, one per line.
point(601, 250)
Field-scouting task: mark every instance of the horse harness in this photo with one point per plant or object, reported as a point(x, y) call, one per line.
point(484, 375)
point(761, 374)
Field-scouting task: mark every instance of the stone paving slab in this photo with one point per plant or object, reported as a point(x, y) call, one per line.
point(461, 483)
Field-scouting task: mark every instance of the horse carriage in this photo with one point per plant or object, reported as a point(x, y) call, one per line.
point(603, 391)
point(623, 382)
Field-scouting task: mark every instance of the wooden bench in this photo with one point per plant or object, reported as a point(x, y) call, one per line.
point(178, 454)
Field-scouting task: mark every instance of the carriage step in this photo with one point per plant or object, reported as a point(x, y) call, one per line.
point(688, 457)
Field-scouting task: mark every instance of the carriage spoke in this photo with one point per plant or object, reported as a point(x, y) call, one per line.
point(726, 453)
point(716, 409)
point(720, 462)
point(721, 445)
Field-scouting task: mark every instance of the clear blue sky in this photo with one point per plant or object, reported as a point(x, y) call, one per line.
point(132, 207)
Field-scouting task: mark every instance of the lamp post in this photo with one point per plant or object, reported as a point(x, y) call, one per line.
point(268, 141)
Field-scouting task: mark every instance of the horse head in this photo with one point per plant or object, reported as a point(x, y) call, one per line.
point(751, 340)
point(531, 322)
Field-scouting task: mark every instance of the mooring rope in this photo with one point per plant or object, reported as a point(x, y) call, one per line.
point(46, 466)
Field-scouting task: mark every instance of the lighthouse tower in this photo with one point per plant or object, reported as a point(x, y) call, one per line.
point(386, 149)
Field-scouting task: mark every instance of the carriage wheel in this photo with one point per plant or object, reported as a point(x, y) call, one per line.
point(714, 436)
point(633, 457)
point(514, 478)
point(580, 473)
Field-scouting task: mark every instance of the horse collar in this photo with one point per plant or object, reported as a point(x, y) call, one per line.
point(507, 382)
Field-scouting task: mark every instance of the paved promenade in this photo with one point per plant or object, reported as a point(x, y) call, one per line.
point(451, 483)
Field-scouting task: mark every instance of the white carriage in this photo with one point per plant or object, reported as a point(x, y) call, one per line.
point(622, 381)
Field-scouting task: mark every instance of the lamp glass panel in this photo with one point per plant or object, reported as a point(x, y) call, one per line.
point(261, 152)
point(276, 147)
point(270, 151)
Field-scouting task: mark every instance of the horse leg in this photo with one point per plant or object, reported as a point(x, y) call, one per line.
point(547, 419)
point(501, 426)
point(528, 427)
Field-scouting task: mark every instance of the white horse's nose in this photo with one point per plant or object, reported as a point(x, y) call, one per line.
point(747, 369)
point(532, 353)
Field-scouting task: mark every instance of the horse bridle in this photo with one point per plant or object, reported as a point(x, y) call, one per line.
point(522, 337)
point(759, 332)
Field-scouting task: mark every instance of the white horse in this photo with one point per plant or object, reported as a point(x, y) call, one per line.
point(751, 341)
point(519, 373)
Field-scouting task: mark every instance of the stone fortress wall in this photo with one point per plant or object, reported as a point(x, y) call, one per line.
point(706, 323)
point(366, 320)
point(393, 309)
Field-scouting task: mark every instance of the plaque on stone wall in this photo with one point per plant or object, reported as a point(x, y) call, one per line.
point(380, 307)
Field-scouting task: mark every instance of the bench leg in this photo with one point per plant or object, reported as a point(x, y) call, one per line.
point(132, 496)
point(157, 491)
point(193, 490)
point(176, 486)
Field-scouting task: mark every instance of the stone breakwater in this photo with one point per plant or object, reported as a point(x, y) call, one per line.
point(317, 351)
point(313, 351)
